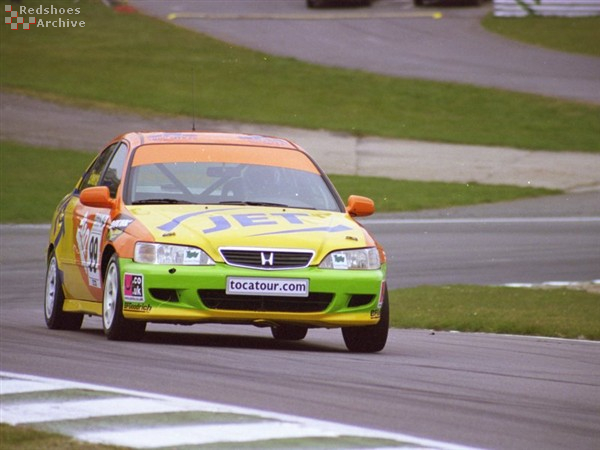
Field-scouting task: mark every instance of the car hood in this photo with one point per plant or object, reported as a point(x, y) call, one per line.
point(214, 227)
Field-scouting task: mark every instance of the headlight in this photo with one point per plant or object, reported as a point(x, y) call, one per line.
point(153, 253)
point(362, 258)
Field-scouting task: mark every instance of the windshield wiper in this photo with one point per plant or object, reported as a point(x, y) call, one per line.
point(240, 202)
point(162, 201)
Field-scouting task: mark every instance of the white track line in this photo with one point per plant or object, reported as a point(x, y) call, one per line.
point(258, 426)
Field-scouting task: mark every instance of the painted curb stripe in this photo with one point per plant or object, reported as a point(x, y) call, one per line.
point(67, 410)
point(206, 434)
point(136, 419)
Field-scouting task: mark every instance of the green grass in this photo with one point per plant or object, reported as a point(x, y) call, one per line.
point(33, 180)
point(27, 438)
point(574, 35)
point(562, 312)
point(30, 192)
point(143, 64)
point(399, 195)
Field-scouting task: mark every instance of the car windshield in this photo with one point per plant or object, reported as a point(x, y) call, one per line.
point(199, 179)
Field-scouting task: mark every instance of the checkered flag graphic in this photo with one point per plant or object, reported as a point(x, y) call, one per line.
point(14, 20)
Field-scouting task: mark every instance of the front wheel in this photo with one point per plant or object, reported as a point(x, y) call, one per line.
point(116, 327)
point(56, 318)
point(372, 338)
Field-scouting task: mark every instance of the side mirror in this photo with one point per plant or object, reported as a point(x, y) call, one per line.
point(96, 197)
point(360, 206)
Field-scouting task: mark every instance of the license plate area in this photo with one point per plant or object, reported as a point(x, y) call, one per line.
point(282, 287)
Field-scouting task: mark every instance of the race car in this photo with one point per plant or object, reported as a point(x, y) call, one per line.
point(201, 227)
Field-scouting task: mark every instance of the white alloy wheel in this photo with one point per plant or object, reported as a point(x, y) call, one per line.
point(54, 298)
point(51, 285)
point(117, 327)
point(111, 293)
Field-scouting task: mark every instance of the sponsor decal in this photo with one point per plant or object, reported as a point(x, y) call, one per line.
point(133, 287)
point(174, 137)
point(288, 287)
point(265, 140)
point(117, 228)
point(333, 229)
point(221, 223)
point(136, 307)
point(340, 261)
point(120, 224)
point(89, 244)
point(171, 225)
point(192, 257)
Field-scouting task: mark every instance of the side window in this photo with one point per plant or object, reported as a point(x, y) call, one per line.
point(92, 176)
point(114, 172)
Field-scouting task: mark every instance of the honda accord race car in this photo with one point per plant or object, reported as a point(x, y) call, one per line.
point(196, 227)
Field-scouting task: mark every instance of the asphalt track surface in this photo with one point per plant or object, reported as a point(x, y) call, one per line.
point(480, 390)
point(488, 391)
point(443, 42)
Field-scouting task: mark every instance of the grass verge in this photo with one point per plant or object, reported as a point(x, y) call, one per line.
point(34, 179)
point(567, 34)
point(564, 313)
point(27, 438)
point(140, 63)
point(401, 195)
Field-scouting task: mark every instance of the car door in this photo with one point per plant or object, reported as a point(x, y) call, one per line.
point(89, 226)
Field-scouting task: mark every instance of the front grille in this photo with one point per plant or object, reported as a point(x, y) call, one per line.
point(267, 259)
point(218, 299)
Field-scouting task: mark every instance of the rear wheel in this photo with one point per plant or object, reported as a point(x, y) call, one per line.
point(289, 332)
point(116, 327)
point(372, 338)
point(56, 318)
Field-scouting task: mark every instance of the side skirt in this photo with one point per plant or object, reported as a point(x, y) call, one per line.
point(83, 306)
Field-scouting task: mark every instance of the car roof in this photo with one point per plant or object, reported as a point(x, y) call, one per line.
point(203, 137)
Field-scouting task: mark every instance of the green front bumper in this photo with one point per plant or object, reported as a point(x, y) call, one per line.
point(192, 294)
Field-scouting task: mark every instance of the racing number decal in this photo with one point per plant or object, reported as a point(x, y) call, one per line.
point(89, 238)
point(93, 255)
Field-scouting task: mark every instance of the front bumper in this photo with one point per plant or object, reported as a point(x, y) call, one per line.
point(192, 294)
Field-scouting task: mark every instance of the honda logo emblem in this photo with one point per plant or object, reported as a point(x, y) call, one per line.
point(266, 258)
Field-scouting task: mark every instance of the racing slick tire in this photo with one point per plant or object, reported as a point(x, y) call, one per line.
point(116, 327)
point(372, 338)
point(289, 332)
point(56, 318)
